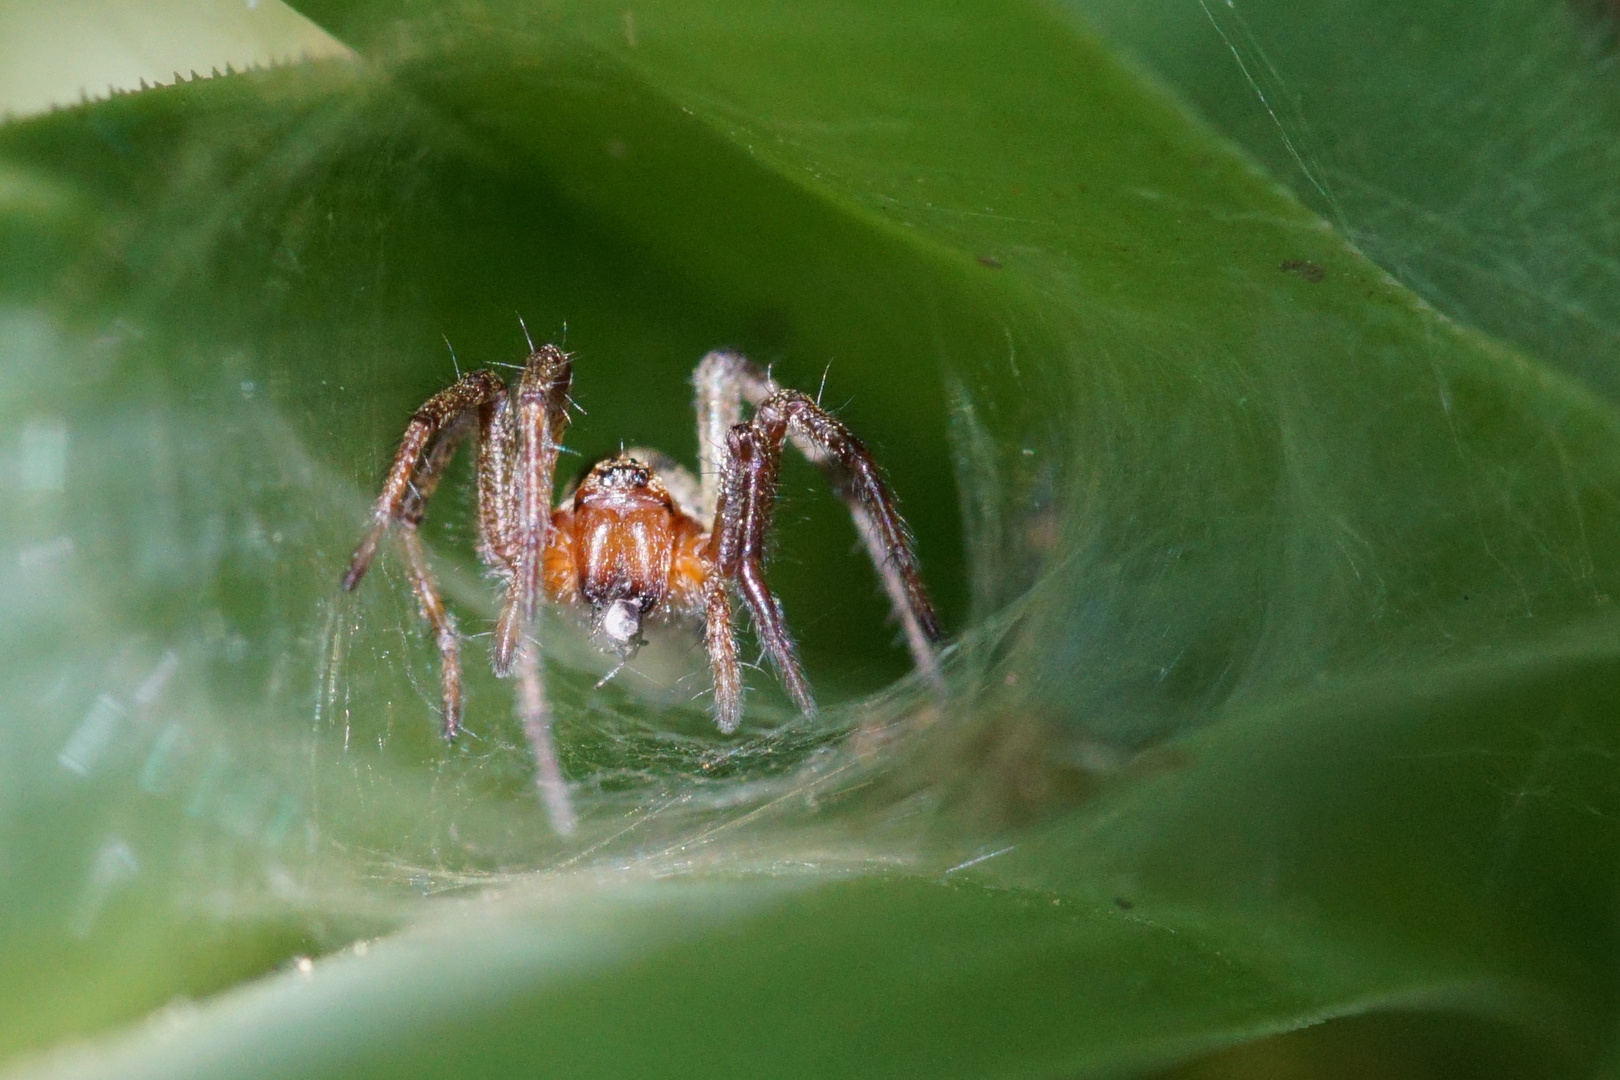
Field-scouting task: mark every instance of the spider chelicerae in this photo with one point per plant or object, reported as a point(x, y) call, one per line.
point(639, 539)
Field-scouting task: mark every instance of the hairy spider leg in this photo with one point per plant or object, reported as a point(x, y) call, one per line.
point(497, 544)
point(517, 462)
point(499, 549)
point(438, 412)
point(444, 628)
point(720, 639)
point(541, 408)
point(749, 497)
point(724, 380)
point(440, 452)
point(440, 425)
point(737, 546)
point(858, 482)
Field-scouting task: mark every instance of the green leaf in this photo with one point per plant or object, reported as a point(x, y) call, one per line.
point(1465, 148)
point(1285, 656)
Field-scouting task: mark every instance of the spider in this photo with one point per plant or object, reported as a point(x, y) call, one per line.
point(639, 540)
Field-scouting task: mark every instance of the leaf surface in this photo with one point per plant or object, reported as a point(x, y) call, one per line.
point(1285, 649)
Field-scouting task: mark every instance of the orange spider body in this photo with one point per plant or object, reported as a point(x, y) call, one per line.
point(624, 548)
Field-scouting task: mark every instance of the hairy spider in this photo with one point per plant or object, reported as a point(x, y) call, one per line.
point(639, 539)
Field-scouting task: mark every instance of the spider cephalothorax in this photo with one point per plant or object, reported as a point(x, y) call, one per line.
point(622, 546)
point(639, 538)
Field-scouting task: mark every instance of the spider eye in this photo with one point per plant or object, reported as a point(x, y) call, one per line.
point(625, 474)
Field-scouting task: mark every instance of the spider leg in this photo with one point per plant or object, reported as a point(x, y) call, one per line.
point(907, 598)
point(523, 507)
point(439, 426)
point(444, 627)
point(496, 514)
point(720, 639)
point(535, 710)
point(440, 411)
point(744, 525)
point(737, 548)
point(859, 482)
point(724, 380)
point(439, 453)
point(517, 463)
point(435, 461)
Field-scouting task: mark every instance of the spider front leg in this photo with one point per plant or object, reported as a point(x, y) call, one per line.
point(720, 640)
point(535, 710)
point(517, 463)
point(724, 381)
point(747, 499)
point(442, 423)
point(515, 497)
point(741, 532)
point(443, 410)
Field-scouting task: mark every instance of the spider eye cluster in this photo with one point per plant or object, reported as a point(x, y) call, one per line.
point(623, 473)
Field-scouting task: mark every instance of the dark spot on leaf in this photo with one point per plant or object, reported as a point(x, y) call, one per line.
point(1306, 269)
point(991, 261)
point(1124, 904)
point(1606, 15)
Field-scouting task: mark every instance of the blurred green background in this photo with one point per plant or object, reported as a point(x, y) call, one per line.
point(1244, 370)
